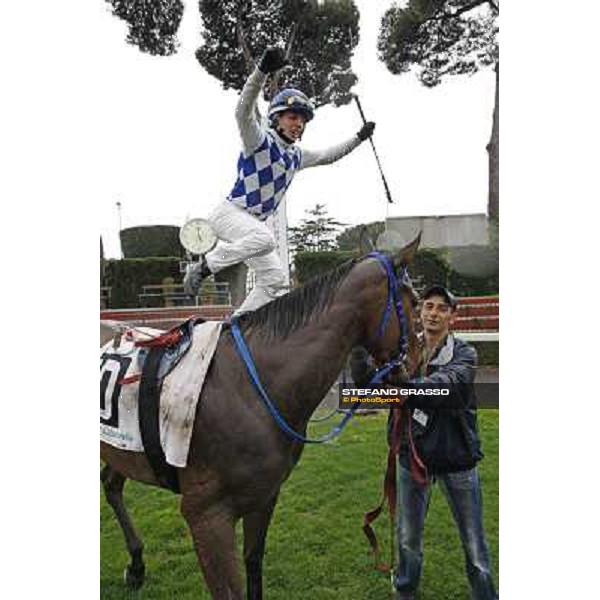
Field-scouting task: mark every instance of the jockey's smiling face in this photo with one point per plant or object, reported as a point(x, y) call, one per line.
point(437, 315)
point(292, 124)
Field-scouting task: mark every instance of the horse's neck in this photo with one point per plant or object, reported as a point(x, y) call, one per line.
point(300, 369)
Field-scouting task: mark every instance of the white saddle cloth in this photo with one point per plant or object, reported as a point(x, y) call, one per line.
point(119, 424)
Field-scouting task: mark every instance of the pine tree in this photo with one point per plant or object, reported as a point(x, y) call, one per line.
point(153, 24)
point(446, 37)
point(319, 37)
point(316, 233)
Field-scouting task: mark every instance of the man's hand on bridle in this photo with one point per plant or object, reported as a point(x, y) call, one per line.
point(398, 376)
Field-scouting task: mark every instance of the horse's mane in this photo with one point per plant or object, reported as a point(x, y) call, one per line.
point(287, 313)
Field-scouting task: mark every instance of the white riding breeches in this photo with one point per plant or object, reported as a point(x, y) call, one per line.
point(243, 238)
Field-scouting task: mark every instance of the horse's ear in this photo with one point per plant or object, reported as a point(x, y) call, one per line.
point(407, 254)
point(365, 243)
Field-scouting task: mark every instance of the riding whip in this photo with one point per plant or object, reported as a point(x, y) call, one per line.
point(385, 185)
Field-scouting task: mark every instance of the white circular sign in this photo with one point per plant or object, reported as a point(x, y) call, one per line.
point(197, 236)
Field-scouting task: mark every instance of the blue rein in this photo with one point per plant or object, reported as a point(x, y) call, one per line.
point(380, 373)
point(244, 352)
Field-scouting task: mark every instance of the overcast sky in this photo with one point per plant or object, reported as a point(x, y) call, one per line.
point(167, 132)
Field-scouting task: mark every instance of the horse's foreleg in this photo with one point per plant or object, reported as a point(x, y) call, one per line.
point(213, 532)
point(113, 483)
point(256, 525)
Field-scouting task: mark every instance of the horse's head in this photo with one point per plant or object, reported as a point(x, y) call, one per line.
point(390, 326)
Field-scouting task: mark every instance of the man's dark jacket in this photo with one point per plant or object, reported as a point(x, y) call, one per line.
point(445, 438)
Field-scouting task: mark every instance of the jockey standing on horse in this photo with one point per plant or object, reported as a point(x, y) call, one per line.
point(266, 167)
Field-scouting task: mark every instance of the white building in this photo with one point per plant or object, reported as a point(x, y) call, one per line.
point(448, 231)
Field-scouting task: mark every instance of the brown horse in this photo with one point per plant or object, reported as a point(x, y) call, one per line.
point(238, 455)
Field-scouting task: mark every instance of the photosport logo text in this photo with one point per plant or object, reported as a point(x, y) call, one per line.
point(421, 394)
point(385, 396)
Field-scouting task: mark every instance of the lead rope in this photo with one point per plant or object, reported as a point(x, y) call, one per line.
point(418, 472)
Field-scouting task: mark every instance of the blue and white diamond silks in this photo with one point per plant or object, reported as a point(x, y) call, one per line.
point(264, 176)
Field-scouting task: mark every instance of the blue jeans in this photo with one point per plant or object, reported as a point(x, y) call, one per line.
point(463, 492)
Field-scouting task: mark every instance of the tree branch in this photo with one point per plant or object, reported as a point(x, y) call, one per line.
point(244, 46)
point(459, 12)
point(288, 50)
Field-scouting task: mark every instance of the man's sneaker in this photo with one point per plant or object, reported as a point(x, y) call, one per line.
point(195, 274)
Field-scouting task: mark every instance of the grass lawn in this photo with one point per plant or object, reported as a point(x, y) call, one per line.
point(315, 545)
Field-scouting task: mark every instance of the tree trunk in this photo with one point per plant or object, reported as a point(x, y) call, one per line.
point(242, 42)
point(493, 149)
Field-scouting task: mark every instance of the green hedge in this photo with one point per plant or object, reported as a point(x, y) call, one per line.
point(474, 270)
point(430, 267)
point(151, 240)
point(438, 267)
point(127, 276)
point(311, 264)
point(463, 285)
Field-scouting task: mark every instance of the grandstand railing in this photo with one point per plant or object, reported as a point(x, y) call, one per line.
point(477, 319)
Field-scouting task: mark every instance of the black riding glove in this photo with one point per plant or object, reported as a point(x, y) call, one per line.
point(366, 131)
point(272, 60)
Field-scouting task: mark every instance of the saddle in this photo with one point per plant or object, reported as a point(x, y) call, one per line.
point(173, 345)
point(157, 357)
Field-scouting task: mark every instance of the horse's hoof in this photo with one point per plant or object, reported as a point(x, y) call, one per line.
point(134, 579)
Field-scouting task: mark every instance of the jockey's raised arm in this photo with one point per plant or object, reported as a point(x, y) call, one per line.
point(246, 113)
point(265, 169)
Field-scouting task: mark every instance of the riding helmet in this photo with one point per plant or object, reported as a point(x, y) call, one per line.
point(294, 100)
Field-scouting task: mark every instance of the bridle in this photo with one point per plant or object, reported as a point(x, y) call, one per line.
point(394, 301)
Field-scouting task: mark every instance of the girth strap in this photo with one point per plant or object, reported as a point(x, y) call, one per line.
point(149, 411)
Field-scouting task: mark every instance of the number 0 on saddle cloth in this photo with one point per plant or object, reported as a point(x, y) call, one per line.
point(120, 371)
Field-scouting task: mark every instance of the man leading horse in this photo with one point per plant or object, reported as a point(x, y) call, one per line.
point(266, 166)
point(444, 438)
